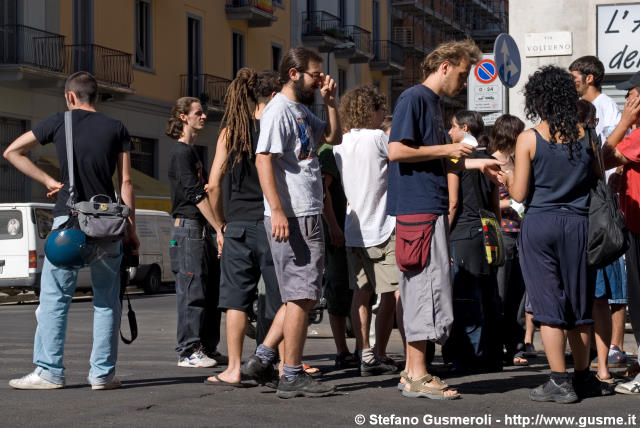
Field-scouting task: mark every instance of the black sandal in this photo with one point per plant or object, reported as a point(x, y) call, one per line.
point(346, 360)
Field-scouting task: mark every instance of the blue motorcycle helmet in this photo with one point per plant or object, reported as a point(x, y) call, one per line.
point(66, 248)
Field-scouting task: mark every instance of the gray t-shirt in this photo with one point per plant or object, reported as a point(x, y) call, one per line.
point(291, 132)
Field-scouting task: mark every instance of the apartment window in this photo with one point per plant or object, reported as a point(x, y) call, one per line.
point(194, 55)
point(376, 20)
point(14, 186)
point(238, 52)
point(8, 12)
point(342, 81)
point(143, 33)
point(143, 155)
point(276, 56)
point(342, 10)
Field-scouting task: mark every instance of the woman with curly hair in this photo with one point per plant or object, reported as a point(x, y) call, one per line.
point(554, 169)
point(363, 160)
point(246, 254)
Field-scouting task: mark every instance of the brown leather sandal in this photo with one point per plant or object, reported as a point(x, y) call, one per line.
point(419, 388)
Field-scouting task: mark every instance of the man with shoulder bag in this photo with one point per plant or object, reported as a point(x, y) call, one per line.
point(99, 144)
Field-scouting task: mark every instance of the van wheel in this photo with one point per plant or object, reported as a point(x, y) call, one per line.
point(152, 281)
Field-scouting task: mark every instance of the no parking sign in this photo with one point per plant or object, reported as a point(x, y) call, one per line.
point(486, 93)
point(485, 71)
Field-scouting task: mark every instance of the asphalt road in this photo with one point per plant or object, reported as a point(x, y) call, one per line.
point(157, 393)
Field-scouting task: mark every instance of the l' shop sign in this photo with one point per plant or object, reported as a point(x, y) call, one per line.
point(619, 37)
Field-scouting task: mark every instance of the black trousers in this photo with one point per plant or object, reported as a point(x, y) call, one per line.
point(194, 261)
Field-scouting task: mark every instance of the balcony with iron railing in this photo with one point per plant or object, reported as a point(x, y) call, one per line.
point(210, 89)
point(423, 9)
point(491, 10)
point(110, 67)
point(406, 37)
point(359, 41)
point(448, 16)
point(257, 13)
point(388, 57)
point(28, 53)
point(322, 30)
point(28, 46)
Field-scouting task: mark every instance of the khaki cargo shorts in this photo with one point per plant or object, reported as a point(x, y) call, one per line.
point(374, 268)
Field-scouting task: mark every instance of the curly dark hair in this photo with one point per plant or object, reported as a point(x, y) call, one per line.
point(550, 95)
point(505, 133)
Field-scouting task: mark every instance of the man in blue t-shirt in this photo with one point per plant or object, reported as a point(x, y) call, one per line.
point(100, 145)
point(418, 197)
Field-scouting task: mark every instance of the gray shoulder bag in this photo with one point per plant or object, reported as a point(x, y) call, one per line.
point(99, 218)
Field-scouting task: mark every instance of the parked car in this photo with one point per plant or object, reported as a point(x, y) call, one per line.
point(23, 231)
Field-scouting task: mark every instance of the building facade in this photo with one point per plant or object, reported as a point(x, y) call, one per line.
point(607, 29)
point(418, 26)
point(147, 53)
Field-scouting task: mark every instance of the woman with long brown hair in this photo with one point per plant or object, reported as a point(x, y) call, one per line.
point(246, 254)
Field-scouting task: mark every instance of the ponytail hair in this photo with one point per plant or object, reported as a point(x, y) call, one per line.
point(240, 104)
point(174, 123)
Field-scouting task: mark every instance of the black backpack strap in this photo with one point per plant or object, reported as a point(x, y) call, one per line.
point(131, 315)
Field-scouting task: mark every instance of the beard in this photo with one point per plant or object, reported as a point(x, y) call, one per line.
point(303, 95)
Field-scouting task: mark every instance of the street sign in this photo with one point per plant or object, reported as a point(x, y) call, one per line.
point(485, 91)
point(507, 57)
point(485, 71)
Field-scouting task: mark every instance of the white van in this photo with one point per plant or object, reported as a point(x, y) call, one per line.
point(23, 232)
point(154, 231)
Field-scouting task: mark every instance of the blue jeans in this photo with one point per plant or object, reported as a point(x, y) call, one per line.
point(611, 282)
point(57, 287)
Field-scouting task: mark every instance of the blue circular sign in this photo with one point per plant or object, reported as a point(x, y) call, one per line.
point(507, 58)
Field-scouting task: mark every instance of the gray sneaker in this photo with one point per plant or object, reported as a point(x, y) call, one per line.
point(33, 381)
point(551, 391)
point(303, 385)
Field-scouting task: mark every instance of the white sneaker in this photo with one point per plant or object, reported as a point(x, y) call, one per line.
point(112, 384)
point(631, 387)
point(33, 381)
point(197, 359)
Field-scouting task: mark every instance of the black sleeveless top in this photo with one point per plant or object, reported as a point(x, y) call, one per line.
point(558, 181)
point(243, 200)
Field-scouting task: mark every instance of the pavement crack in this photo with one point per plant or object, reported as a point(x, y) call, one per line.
point(147, 407)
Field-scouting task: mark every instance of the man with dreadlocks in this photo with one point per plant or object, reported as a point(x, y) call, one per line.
point(246, 253)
